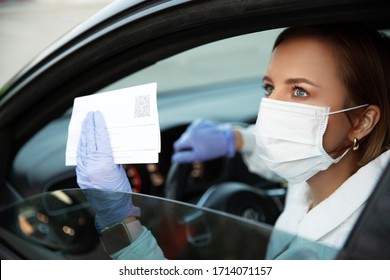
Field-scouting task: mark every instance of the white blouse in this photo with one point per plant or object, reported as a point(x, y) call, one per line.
point(331, 221)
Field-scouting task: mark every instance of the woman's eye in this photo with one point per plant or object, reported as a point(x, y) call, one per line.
point(300, 92)
point(268, 89)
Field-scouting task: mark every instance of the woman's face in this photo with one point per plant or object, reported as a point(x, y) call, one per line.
point(304, 70)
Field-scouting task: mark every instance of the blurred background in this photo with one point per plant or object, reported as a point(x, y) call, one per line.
point(29, 26)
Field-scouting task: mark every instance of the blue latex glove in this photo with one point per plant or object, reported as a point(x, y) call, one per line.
point(96, 171)
point(204, 140)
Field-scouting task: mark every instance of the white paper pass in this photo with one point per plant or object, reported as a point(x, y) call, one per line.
point(132, 122)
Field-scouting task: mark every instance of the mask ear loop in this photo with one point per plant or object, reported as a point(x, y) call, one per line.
point(348, 109)
point(355, 144)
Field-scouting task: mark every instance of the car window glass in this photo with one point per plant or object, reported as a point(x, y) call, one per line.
point(60, 225)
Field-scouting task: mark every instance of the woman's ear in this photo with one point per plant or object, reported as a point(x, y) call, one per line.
point(365, 123)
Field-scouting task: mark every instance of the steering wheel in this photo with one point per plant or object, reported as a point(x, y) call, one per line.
point(234, 190)
point(182, 185)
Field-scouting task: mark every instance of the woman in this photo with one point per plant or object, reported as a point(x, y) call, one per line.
point(324, 126)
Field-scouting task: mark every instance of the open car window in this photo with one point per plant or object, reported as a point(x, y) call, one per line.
point(205, 82)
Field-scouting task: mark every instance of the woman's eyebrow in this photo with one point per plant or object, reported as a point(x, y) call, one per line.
point(293, 81)
point(301, 80)
point(267, 79)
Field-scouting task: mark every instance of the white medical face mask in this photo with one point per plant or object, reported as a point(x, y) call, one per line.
point(290, 136)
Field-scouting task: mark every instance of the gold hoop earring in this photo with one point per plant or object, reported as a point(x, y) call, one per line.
point(355, 144)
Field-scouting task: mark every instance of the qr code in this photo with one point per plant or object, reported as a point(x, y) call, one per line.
point(142, 106)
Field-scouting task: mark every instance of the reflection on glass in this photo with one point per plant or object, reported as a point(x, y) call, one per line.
point(63, 226)
point(63, 223)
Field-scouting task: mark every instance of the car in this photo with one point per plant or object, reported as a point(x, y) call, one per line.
point(207, 58)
